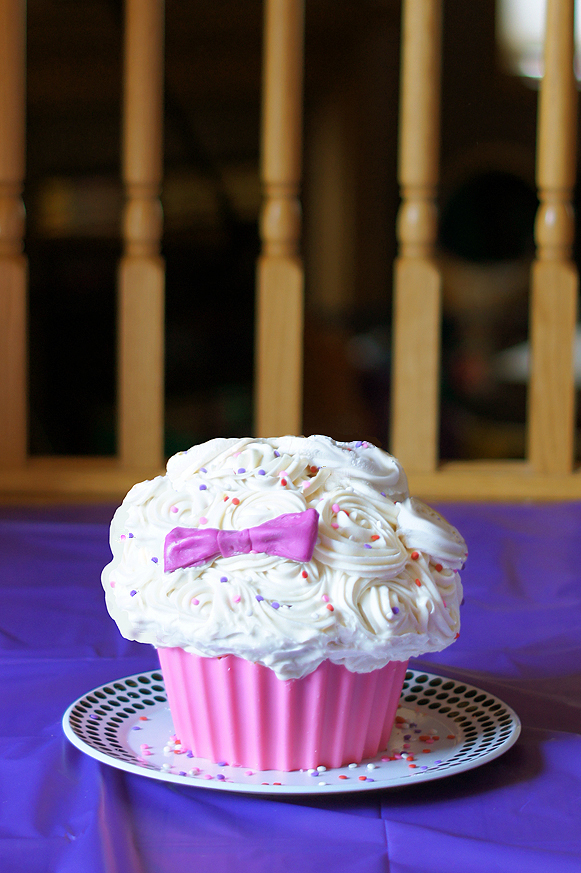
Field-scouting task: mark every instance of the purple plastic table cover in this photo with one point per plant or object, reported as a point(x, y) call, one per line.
point(64, 812)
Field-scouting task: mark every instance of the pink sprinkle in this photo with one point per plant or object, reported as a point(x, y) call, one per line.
point(174, 509)
point(195, 601)
point(203, 520)
point(334, 525)
point(249, 773)
point(306, 484)
point(144, 746)
point(336, 507)
point(122, 537)
point(325, 597)
point(236, 598)
point(112, 583)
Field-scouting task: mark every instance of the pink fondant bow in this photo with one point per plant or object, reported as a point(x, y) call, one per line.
point(292, 535)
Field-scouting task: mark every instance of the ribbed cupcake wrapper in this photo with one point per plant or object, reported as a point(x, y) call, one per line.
point(228, 709)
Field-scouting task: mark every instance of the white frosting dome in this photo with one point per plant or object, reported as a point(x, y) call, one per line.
point(382, 583)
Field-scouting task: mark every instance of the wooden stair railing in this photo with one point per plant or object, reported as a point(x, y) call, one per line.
point(548, 471)
point(140, 280)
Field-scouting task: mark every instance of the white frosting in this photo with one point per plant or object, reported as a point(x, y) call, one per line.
point(382, 584)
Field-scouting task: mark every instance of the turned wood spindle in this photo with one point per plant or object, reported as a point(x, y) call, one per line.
point(141, 272)
point(279, 325)
point(551, 416)
point(417, 281)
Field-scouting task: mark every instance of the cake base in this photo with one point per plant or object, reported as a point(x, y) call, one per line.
point(228, 709)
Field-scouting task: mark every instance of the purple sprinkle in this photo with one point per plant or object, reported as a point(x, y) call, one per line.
point(132, 593)
point(155, 560)
point(275, 605)
point(408, 737)
point(135, 727)
point(203, 487)
point(382, 493)
point(395, 610)
point(222, 763)
point(182, 773)
point(130, 536)
point(367, 546)
point(241, 470)
point(358, 444)
point(369, 779)
point(221, 777)
point(223, 579)
point(189, 753)
point(262, 472)
point(423, 768)
point(94, 717)
point(438, 762)
point(259, 597)
point(203, 470)
point(314, 773)
point(277, 454)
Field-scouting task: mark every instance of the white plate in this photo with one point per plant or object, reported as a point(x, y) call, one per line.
point(443, 727)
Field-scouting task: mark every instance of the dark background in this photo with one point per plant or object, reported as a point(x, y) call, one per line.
point(211, 199)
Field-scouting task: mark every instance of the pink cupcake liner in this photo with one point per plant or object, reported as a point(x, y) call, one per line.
point(228, 709)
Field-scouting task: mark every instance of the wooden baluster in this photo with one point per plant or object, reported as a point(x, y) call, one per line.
point(13, 268)
point(141, 272)
point(417, 281)
point(551, 417)
point(279, 325)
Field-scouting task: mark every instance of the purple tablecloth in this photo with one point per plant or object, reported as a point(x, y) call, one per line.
point(63, 812)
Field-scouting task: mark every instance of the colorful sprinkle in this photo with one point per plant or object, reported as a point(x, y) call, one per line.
point(112, 583)
point(336, 507)
point(241, 470)
point(259, 597)
point(325, 597)
point(155, 560)
point(174, 509)
point(330, 608)
point(236, 598)
point(414, 556)
point(374, 537)
point(132, 593)
point(262, 472)
point(235, 501)
point(276, 454)
point(130, 536)
point(304, 574)
point(395, 610)
point(275, 605)
point(203, 487)
point(195, 601)
point(439, 568)
point(223, 578)
point(418, 583)
point(203, 520)
point(283, 482)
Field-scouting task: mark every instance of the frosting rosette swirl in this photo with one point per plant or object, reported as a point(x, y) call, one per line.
point(378, 583)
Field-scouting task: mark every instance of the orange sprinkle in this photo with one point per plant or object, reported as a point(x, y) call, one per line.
point(235, 501)
point(412, 766)
point(330, 608)
point(439, 568)
point(342, 776)
point(418, 583)
point(283, 482)
point(362, 778)
point(304, 574)
point(375, 537)
point(426, 751)
point(457, 635)
point(316, 470)
point(414, 556)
